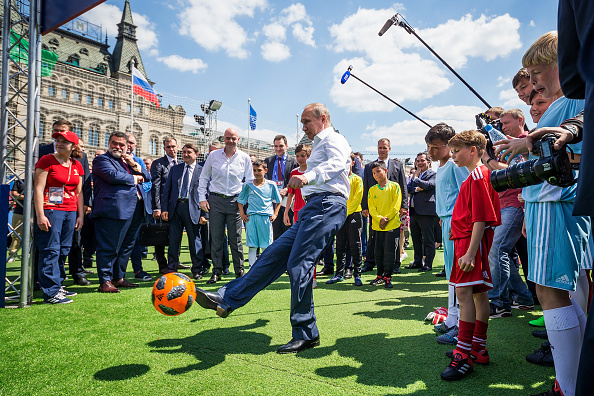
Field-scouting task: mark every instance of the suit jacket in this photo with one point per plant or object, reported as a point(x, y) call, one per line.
point(395, 174)
point(172, 189)
point(113, 188)
point(84, 161)
point(145, 188)
point(290, 164)
point(424, 201)
point(159, 172)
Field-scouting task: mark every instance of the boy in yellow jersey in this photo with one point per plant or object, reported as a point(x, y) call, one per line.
point(384, 201)
point(350, 233)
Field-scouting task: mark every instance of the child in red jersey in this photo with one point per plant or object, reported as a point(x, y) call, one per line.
point(302, 153)
point(475, 213)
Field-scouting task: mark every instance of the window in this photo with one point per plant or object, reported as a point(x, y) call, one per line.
point(100, 102)
point(77, 97)
point(51, 90)
point(128, 107)
point(93, 135)
point(110, 104)
point(138, 110)
point(89, 100)
point(153, 145)
point(106, 139)
point(41, 132)
point(65, 94)
point(77, 128)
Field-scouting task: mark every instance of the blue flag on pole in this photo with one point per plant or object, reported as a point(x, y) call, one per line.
point(253, 117)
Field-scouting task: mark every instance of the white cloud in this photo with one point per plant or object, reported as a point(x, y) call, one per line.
point(501, 81)
point(304, 34)
point(275, 51)
point(108, 16)
point(182, 64)
point(213, 25)
point(509, 99)
point(398, 65)
point(294, 13)
point(275, 31)
point(412, 132)
point(532, 24)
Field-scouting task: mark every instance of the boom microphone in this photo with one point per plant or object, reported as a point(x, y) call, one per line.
point(387, 25)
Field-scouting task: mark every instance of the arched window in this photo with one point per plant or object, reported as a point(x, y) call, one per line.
point(153, 145)
point(93, 135)
point(77, 128)
point(108, 132)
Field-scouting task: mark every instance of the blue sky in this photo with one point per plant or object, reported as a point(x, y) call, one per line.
point(283, 55)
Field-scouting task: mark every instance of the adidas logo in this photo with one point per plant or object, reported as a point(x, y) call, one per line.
point(353, 221)
point(564, 279)
point(160, 296)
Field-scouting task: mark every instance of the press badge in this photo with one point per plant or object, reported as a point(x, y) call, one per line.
point(56, 195)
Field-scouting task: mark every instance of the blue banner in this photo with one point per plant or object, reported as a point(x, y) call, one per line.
point(55, 13)
point(253, 117)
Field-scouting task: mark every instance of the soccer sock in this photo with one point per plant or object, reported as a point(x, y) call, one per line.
point(452, 319)
point(563, 329)
point(252, 253)
point(580, 295)
point(465, 337)
point(581, 317)
point(479, 338)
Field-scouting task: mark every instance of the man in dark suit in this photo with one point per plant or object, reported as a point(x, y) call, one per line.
point(395, 174)
point(159, 173)
point(118, 211)
point(75, 264)
point(280, 166)
point(421, 188)
point(181, 207)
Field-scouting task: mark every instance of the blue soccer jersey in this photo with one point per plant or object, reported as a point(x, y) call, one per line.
point(448, 180)
point(259, 198)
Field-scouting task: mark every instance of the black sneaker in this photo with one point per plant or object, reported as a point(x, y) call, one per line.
point(377, 281)
point(540, 334)
point(458, 368)
point(525, 307)
point(388, 283)
point(496, 312)
point(554, 391)
point(542, 356)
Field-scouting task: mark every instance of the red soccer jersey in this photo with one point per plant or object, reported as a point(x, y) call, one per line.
point(61, 176)
point(477, 202)
point(298, 201)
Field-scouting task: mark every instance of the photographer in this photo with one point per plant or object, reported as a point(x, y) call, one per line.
point(503, 259)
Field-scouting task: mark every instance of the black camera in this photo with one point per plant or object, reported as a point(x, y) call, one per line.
point(552, 166)
point(482, 120)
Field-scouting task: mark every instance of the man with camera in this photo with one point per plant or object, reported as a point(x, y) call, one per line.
point(503, 259)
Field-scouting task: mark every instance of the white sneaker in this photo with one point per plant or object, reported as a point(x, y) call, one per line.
point(59, 298)
point(403, 256)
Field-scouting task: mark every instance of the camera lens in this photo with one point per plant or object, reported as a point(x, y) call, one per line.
point(515, 176)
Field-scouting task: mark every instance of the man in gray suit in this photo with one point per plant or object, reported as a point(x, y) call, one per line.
point(181, 207)
point(421, 188)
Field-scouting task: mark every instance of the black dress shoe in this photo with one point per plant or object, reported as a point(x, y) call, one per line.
point(413, 266)
point(326, 271)
point(424, 269)
point(214, 279)
point(226, 271)
point(348, 273)
point(441, 274)
point(88, 271)
point(197, 276)
point(183, 266)
point(396, 271)
point(296, 345)
point(203, 271)
point(239, 274)
point(82, 281)
point(212, 301)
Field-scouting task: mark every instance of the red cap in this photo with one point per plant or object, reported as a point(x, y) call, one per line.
point(68, 135)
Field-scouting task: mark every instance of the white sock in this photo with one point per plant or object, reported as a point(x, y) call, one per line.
point(580, 295)
point(252, 256)
point(581, 317)
point(563, 329)
point(452, 319)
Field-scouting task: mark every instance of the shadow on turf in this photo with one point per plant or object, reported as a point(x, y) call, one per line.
point(122, 372)
point(210, 347)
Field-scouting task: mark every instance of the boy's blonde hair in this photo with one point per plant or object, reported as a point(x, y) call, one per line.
point(305, 148)
point(542, 51)
point(468, 139)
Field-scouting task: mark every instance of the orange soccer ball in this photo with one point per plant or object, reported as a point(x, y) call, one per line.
point(173, 294)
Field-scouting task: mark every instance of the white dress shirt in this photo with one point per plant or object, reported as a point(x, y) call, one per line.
point(172, 161)
point(190, 170)
point(226, 175)
point(328, 165)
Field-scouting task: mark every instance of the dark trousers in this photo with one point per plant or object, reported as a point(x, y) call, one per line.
point(386, 243)
point(75, 261)
point(138, 249)
point(182, 219)
point(364, 237)
point(295, 252)
point(160, 256)
point(422, 232)
point(348, 238)
point(115, 241)
point(88, 241)
point(225, 212)
point(53, 247)
point(370, 257)
point(437, 230)
point(278, 225)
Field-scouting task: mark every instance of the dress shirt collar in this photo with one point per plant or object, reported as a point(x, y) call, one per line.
point(323, 133)
point(282, 157)
point(169, 159)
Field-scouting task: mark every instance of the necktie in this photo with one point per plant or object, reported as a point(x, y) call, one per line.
point(279, 170)
point(186, 180)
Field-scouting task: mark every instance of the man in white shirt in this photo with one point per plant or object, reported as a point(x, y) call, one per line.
point(226, 170)
point(325, 187)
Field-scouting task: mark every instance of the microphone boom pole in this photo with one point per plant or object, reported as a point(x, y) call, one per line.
point(404, 24)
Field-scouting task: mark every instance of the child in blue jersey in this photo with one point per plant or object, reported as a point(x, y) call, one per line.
point(448, 180)
point(557, 241)
point(260, 195)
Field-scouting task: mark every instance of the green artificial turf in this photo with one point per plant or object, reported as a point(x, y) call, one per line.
point(374, 341)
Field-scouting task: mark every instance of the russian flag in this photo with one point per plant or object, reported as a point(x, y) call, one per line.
point(142, 87)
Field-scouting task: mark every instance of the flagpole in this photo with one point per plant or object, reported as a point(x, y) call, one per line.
point(297, 129)
point(132, 100)
point(249, 124)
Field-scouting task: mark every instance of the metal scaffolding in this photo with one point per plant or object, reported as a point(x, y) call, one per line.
point(20, 89)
